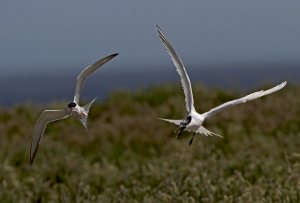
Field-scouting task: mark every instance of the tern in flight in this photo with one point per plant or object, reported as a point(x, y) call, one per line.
point(193, 121)
point(73, 108)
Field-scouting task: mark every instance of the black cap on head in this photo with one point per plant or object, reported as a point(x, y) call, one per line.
point(72, 104)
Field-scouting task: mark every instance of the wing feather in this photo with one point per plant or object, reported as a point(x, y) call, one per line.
point(176, 122)
point(185, 80)
point(40, 126)
point(86, 72)
point(245, 99)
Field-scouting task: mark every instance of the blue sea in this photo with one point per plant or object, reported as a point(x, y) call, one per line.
point(47, 87)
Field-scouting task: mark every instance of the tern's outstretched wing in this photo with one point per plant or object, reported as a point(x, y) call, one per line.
point(176, 122)
point(249, 97)
point(185, 80)
point(86, 72)
point(40, 126)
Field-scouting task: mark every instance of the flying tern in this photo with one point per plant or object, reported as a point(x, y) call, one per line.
point(73, 108)
point(193, 121)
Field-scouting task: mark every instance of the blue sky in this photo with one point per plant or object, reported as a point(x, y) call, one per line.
point(39, 35)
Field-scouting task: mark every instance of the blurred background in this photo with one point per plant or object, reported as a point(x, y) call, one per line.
point(230, 48)
point(235, 44)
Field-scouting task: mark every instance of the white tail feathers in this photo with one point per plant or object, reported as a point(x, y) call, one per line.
point(206, 132)
point(86, 108)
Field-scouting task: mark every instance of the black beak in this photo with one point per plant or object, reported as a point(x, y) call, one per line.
point(180, 128)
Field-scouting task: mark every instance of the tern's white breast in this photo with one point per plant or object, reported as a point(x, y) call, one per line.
point(78, 112)
point(196, 122)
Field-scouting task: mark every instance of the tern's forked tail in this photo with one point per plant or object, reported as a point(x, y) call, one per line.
point(86, 109)
point(206, 132)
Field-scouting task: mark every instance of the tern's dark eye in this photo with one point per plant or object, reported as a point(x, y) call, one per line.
point(72, 104)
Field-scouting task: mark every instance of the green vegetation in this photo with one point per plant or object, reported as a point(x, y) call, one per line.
point(130, 156)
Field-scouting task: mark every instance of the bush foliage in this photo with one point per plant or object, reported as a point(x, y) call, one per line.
point(129, 156)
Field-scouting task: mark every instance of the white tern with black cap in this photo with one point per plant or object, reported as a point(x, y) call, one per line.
point(73, 109)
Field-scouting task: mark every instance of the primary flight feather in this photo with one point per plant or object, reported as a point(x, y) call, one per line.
point(185, 80)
